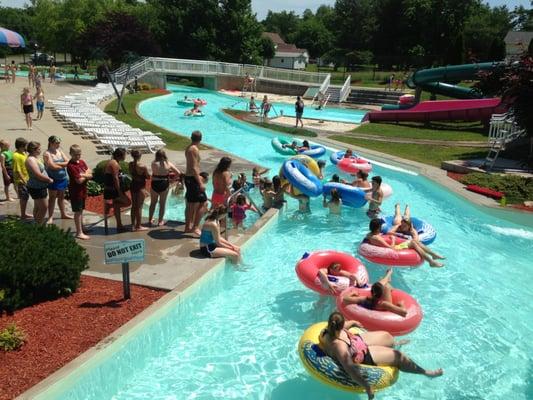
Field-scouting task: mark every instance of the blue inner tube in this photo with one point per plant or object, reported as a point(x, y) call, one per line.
point(426, 232)
point(301, 178)
point(315, 151)
point(351, 196)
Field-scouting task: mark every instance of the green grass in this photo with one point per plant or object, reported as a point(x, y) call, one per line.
point(172, 141)
point(426, 154)
point(278, 128)
point(435, 131)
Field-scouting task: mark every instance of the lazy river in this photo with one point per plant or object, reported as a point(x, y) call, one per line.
point(235, 335)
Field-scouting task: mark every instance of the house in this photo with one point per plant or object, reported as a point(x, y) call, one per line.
point(516, 42)
point(287, 55)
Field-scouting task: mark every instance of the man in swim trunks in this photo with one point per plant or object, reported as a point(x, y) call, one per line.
point(194, 196)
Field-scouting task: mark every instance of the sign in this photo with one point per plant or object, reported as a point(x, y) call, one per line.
point(124, 251)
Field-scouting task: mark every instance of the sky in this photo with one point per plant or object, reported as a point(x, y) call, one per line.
point(261, 7)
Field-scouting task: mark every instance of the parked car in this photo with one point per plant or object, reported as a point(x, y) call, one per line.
point(42, 59)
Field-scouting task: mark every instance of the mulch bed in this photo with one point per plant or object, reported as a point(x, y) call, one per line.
point(455, 176)
point(58, 331)
point(158, 91)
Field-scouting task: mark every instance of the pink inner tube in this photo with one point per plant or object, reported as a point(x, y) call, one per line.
point(200, 102)
point(353, 165)
point(375, 320)
point(386, 256)
point(307, 268)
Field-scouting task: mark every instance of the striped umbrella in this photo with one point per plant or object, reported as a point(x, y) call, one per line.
point(11, 39)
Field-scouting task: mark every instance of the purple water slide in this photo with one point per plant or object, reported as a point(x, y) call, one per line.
point(442, 110)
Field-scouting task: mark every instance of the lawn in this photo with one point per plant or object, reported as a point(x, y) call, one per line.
point(427, 154)
point(435, 131)
point(241, 115)
point(172, 141)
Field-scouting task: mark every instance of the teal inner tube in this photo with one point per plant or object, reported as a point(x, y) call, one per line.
point(277, 144)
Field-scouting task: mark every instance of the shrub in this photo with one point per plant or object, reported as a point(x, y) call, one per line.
point(145, 86)
point(98, 173)
point(94, 188)
point(37, 263)
point(11, 338)
point(517, 189)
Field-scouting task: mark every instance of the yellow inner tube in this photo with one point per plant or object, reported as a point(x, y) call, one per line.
point(310, 163)
point(324, 369)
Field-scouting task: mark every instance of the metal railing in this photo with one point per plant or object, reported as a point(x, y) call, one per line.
point(503, 129)
point(322, 89)
point(345, 90)
point(202, 67)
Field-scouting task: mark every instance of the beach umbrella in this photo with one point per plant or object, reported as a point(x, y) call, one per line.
point(11, 39)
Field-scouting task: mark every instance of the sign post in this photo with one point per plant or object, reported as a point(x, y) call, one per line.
point(122, 252)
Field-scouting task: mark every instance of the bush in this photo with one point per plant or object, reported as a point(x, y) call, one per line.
point(37, 263)
point(517, 189)
point(94, 188)
point(11, 338)
point(145, 86)
point(98, 173)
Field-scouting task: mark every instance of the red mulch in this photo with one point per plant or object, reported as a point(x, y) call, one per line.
point(158, 91)
point(58, 331)
point(522, 207)
point(455, 175)
point(95, 204)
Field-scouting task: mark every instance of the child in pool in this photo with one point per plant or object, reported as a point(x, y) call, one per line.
point(334, 269)
point(268, 194)
point(375, 198)
point(334, 204)
point(239, 210)
point(256, 176)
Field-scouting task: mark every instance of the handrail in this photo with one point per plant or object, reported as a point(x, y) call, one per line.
point(345, 90)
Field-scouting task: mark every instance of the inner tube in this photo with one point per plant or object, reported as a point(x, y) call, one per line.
point(200, 102)
point(315, 151)
point(308, 266)
point(375, 320)
point(184, 102)
point(336, 156)
point(351, 196)
point(302, 178)
point(323, 368)
point(277, 144)
point(353, 165)
point(386, 256)
point(426, 232)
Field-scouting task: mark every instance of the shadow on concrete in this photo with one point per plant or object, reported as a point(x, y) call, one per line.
point(168, 234)
point(197, 254)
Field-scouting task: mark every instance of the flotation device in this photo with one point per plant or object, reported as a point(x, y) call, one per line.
point(351, 196)
point(309, 163)
point(386, 189)
point(315, 151)
point(200, 102)
point(308, 266)
point(386, 256)
point(353, 165)
point(323, 368)
point(184, 102)
point(426, 232)
point(406, 99)
point(336, 156)
point(485, 191)
point(301, 178)
point(375, 320)
point(277, 144)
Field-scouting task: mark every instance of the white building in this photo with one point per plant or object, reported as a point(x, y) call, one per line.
point(287, 55)
point(516, 43)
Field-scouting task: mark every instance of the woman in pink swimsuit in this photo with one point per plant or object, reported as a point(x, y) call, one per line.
point(221, 182)
point(370, 348)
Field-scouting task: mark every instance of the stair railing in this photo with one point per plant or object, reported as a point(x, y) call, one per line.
point(345, 90)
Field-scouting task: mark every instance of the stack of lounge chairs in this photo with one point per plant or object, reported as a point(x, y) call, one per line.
point(80, 112)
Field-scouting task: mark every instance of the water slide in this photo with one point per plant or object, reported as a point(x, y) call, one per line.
point(437, 80)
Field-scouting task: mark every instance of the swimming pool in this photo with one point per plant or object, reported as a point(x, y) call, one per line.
point(328, 114)
point(235, 336)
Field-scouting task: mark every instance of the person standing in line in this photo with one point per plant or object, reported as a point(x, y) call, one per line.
point(20, 175)
point(6, 165)
point(299, 109)
point(26, 103)
point(114, 186)
point(55, 162)
point(161, 170)
point(194, 184)
point(139, 174)
point(14, 69)
point(39, 102)
point(52, 73)
point(222, 179)
point(79, 174)
point(38, 182)
point(31, 75)
point(7, 75)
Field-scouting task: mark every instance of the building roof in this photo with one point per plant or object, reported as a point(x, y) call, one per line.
point(290, 54)
point(514, 37)
point(282, 47)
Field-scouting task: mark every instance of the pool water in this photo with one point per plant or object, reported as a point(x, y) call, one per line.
point(328, 113)
point(235, 336)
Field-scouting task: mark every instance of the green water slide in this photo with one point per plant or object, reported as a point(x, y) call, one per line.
point(440, 80)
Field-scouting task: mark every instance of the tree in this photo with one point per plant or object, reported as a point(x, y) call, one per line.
point(313, 36)
point(355, 24)
point(268, 50)
point(116, 36)
point(523, 18)
point(284, 23)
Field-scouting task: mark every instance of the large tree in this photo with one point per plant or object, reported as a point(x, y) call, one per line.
point(284, 23)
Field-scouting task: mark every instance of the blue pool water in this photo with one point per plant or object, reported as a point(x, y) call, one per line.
point(329, 113)
point(235, 336)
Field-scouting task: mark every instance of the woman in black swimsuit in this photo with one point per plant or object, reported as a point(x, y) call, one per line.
point(371, 348)
point(113, 185)
point(139, 174)
point(161, 168)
